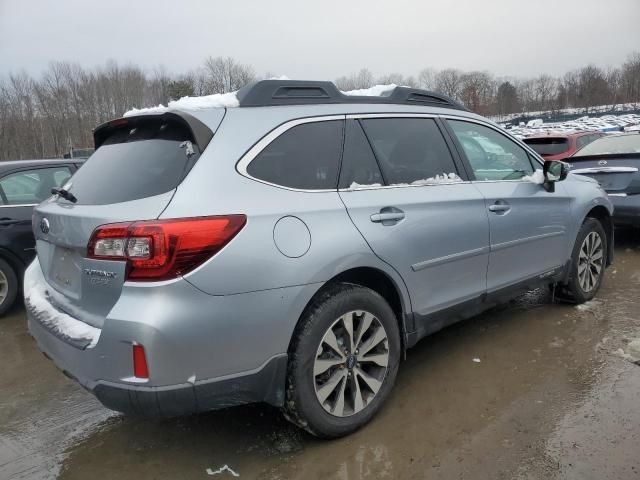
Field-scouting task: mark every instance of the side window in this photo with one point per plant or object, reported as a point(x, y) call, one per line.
point(492, 155)
point(306, 156)
point(359, 166)
point(410, 150)
point(583, 140)
point(32, 186)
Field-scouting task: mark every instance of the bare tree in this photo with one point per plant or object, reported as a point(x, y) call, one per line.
point(45, 116)
point(477, 91)
point(449, 82)
point(427, 78)
point(226, 75)
point(355, 81)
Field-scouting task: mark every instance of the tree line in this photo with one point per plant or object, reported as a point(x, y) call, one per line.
point(46, 116)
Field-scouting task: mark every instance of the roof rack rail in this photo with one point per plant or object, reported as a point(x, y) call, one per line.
point(265, 93)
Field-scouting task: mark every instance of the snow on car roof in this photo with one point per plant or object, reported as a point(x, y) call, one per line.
point(230, 100)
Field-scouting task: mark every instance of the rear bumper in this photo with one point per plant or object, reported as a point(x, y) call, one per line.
point(204, 352)
point(265, 384)
point(626, 209)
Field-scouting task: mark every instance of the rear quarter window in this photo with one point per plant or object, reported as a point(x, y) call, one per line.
point(305, 157)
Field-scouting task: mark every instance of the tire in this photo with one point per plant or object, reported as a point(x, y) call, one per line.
point(576, 289)
point(358, 376)
point(8, 286)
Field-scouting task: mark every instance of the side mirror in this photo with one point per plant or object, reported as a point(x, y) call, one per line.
point(554, 171)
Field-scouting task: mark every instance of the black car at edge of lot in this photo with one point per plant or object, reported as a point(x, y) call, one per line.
point(23, 185)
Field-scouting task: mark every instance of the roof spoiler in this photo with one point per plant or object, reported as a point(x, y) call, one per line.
point(201, 134)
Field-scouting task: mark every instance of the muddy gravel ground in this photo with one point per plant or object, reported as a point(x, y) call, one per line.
point(555, 394)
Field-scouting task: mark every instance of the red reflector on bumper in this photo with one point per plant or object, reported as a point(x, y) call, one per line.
point(140, 368)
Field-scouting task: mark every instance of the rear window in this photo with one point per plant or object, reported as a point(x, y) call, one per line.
point(548, 146)
point(306, 157)
point(409, 150)
point(136, 162)
point(612, 145)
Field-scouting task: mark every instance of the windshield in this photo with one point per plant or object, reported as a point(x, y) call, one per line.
point(612, 145)
point(548, 145)
point(133, 163)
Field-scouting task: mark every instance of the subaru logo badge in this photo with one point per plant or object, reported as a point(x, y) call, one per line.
point(44, 226)
point(602, 162)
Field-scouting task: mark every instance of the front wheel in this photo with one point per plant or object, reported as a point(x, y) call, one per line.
point(344, 361)
point(588, 262)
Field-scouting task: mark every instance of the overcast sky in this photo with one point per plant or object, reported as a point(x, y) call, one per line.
point(321, 39)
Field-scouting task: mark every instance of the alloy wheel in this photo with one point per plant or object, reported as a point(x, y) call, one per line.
point(4, 287)
point(351, 363)
point(590, 261)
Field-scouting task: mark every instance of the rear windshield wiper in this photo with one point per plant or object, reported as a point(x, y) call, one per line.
point(64, 194)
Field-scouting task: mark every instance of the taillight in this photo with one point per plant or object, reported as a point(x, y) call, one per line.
point(163, 249)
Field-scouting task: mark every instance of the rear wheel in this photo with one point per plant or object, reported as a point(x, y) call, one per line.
point(344, 361)
point(8, 286)
point(588, 262)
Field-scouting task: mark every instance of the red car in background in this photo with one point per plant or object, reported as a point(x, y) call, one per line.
point(559, 146)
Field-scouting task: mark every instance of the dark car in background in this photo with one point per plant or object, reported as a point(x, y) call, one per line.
point(614, 161)
point(554, 146)
point(23, 184)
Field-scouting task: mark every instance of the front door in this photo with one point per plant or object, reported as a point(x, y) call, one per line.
point(528, 224)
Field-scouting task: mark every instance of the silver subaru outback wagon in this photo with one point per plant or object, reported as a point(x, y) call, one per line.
point(289, 249)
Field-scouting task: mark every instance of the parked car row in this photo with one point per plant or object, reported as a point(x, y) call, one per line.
point(605, 124)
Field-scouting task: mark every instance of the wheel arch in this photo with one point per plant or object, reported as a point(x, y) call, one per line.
point(380, 282)
point(14, 261)
point(601, 214)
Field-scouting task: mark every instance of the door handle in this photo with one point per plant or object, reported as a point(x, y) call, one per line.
point(500, 207)
point(8, 221)
point(387, 216)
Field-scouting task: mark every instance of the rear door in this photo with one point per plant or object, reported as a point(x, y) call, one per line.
point(408, 198)
point(528, 224)
point(20, 191)
point(131, 176)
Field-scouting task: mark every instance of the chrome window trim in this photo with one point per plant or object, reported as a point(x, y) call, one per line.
point(260, 145)
point(353, 116)
point(20, 205)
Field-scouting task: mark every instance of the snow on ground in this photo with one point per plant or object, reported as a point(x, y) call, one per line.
point(632, 351)
point(589, 306)
point(222, 470)
point(35, 297)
